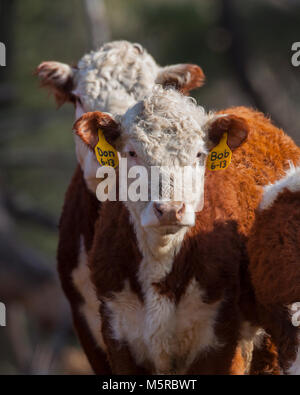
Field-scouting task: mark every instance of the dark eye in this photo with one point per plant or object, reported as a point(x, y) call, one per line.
point(132, 154)
point(199, 155)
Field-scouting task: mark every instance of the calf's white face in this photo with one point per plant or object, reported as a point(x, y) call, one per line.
point(166, 135)
point(111, 80)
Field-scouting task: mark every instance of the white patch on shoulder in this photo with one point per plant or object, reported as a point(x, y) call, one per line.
point(91, 305)
point(291, 182)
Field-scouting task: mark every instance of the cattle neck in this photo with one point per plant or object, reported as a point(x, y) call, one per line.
point(158, 245)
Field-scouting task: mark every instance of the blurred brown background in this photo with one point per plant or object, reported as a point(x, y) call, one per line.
point(245, 51)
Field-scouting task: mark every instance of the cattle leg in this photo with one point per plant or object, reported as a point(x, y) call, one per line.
point(96, 357)
point(264, 358)
point(277, 321)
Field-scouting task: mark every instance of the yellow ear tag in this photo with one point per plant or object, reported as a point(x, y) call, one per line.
point(106, 153)
point(219, 157)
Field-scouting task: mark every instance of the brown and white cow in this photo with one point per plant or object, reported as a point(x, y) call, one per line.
point(111, 80)
point(173, 283)
point(274, 252)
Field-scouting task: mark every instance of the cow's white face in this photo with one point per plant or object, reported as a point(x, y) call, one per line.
point(164, 135)
point(111, 80)
point(167, 132)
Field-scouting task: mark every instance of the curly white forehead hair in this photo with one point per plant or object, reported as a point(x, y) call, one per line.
point(162, 121)
point(114, 77)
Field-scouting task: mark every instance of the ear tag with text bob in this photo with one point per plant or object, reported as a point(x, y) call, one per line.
point(106, 154)
point(219, 157)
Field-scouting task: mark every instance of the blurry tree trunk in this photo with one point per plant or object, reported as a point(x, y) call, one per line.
point(239, 56)
point(97, 22)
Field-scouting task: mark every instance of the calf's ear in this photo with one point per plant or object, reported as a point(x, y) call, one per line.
point(236, 127)
point(183, 77)
point(58, 79)
point(88, 125)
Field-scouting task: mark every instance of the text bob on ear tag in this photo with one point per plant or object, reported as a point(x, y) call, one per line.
point(106, 153)
point(219, 157)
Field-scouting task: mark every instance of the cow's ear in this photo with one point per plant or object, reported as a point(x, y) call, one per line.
point(58, 79)
point(183, 77)
point(236, 127)
point(88, 125)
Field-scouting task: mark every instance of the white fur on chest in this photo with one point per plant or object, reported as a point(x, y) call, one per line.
point(158, 331)
point(90, 306)
point(169, 336)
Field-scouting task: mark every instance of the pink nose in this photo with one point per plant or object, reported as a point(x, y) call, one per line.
point(169, 212)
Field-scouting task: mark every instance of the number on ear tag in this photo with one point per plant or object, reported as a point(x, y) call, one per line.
point(106, 153)
point(219, 157)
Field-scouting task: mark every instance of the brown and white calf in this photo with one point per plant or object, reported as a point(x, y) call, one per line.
point(111, 80)
point(274, 251)
point(169, 277)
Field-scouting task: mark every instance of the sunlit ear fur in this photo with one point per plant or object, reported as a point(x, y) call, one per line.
point(183, 77)
point(58, 79)
point(86, 127)
point(236, 127)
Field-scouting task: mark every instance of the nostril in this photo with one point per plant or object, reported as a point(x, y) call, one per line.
point(182, 209)
point(158, 211)
point(180, 212)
